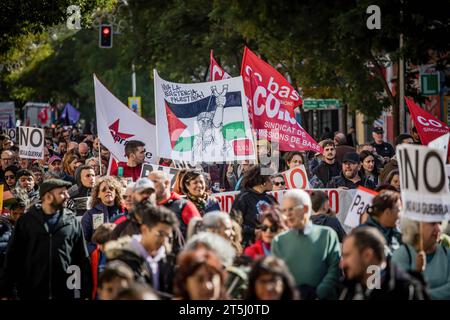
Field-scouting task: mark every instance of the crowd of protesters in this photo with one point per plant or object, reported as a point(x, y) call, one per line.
point(146, 238)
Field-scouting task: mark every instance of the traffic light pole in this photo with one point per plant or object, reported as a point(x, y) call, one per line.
point(133, 80)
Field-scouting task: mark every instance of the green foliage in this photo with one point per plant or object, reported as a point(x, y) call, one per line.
point(324, 46)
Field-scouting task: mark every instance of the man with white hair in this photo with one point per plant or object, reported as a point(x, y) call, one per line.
point(311, 252)
point(220, 223)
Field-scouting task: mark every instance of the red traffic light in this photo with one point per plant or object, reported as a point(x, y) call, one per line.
point(105, 36)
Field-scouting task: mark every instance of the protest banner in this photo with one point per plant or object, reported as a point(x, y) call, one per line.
point(117, 124)
point(339, 200)
point(428, 127)
point(203, 122)
point(215, 70)
point(423, 183)
point(271, 101)
point(11, 133)
point(361, 201)
point(31, 143)
point(296, 178)
point(170, 171)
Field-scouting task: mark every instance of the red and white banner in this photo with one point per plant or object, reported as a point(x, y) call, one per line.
point(215, 70)
point(428, 127)
point(117, 124)
point(270, 79)
point(339, 200)
point(296, 178)
point(273, 122)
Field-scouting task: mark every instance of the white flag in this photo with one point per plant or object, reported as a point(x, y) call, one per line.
point(203, 122)
point(117, 124)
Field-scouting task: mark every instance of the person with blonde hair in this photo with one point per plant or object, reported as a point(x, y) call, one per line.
point(106, 206)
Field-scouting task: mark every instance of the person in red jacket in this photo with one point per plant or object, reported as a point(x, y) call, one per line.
point(272, 225)
point(135, 152)
point(184, 209)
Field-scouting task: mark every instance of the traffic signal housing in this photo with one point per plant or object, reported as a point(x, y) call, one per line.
point(106, 36)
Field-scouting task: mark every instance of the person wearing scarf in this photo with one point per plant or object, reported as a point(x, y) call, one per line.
point(193, 186)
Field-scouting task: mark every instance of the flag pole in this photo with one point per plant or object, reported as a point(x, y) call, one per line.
point(421, 235)
point(99, 157)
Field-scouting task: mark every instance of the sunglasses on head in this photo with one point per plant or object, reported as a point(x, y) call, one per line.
point(272, 229)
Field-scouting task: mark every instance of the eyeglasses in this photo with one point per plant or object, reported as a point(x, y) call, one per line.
point(265, 228)
point(279, 183)
point(107, 189)
point(9, 177)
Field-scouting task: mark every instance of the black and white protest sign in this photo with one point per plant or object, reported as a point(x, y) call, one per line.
point(11, 133)
point(423, 183)
point(31, 143)
point(171, 172)
point(361, 201)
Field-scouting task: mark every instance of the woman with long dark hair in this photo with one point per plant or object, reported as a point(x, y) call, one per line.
point(253, 200)
point(270, 279)
point(368, 166)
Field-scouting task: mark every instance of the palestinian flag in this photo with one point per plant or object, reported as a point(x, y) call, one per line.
point(184, 119)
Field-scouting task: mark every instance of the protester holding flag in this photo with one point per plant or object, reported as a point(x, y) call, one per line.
point(135, 152)
point(193, 185)
point(254, 200)
point(433, 260)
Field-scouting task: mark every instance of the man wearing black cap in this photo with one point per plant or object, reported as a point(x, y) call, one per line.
point(47, 256)
point(349, 177)
point(384, 149)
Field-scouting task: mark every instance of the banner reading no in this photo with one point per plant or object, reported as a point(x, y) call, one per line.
point(423, 182)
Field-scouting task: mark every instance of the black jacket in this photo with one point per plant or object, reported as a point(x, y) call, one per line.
point(252, 204)
point(37, 260)
point(325, 172)
point(341, 181)
point(395, 284)
point(123, 250)
point(329, 221)
point(79, 195)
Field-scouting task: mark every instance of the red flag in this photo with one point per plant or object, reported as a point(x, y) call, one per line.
point(428, 127)
point(270, 79)
point(273, 122)
point(43, 116)
point(215, 70)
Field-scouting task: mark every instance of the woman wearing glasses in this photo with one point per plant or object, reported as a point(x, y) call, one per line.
point(107, 206)
point(10, 178)
point(271, 226)
point(278, 182)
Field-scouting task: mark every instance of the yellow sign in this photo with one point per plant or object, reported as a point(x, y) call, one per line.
point(134, 103)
